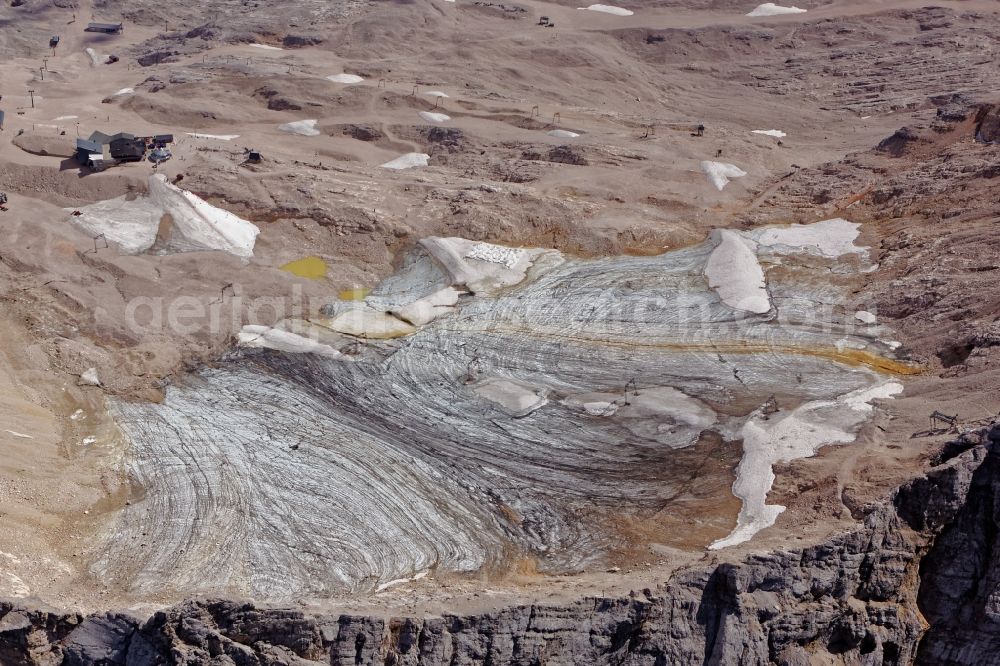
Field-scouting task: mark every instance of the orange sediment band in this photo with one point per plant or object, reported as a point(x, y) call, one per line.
point(853, 357)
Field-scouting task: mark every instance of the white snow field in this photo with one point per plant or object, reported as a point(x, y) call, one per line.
point(720, 173)
point(432, 117)
point(195, 224)
point(435, 93)
point(562, 134)
point(772, 132)
point(735, 274)
point(829, 238)
point(301, 127)
point(771, 9)
point(609, 9)
point(407, 161)
point(787, 436)
point(345, 78)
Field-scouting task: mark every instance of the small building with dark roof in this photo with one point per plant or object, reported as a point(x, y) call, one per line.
point(120, 147)
point(108, 28)
point(127, 149)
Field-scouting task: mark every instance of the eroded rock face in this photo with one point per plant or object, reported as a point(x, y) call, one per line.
point(897, 144)
point(852, 599)
point(988, 124)
point(961, 577)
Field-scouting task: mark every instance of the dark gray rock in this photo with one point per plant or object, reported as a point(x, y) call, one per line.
point(102, 640)
point(988, 124)
point(897, 144)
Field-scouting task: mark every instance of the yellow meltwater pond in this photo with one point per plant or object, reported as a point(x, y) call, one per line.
point(312, 268)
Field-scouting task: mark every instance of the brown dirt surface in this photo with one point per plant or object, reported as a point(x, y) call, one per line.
point(842, 81)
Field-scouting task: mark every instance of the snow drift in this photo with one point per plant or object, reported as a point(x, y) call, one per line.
point(771, 9)
point(301, 127)
point(609, 9)
point(408, 161)
point(345, 78)
point(720, 173)
point(191, 222)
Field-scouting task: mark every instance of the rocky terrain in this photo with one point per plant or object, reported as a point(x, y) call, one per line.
point(580, 384)
point(911, 583)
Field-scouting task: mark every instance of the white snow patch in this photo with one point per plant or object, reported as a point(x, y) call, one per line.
point(95, 57)
point(830, 238)
point(400, 581)
point(435, 93)
point(562, 134)
point(432, 117)
point(600, 408)
point(771, 9)
point(425, 310)
point(735, 274)
point(125, 91)
point(784, 437)
point(20, 435)
point(266, 47)
point(495, 254)
point(865, 317)
point(90, 378)
point(367, 323)
point(220, 137)
point(408, 161)
point(720, 173)
point(609, 9)
point(195, 223)
point(517, 398)
point(301, 127)
point(77, 415)
point(266, 337)
point(345, 78)
point(15, 587)
point(65, 118)
point(485, 269)
point(775, 133)
point(87, 441)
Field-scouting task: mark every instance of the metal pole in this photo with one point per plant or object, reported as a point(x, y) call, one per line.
point(32, 93)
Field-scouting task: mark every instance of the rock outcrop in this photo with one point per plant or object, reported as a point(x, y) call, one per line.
point(988, 123)
point(915, 582)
